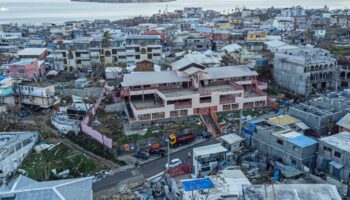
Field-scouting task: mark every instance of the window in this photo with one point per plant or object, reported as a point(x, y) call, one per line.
point(295, 148)
point(293, 161)
point(183, 113)
point(337, 154)
point(21, 71)
point(226, 107)
point(174, 113)
point(327, 150)
point(279, 141)
point(205, 99)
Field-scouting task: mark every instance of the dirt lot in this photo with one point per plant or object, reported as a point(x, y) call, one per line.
point(40, 165)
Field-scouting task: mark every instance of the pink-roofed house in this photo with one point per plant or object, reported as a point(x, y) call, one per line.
point(26, 69)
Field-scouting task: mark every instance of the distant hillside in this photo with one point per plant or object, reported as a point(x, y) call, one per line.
point(124, 1)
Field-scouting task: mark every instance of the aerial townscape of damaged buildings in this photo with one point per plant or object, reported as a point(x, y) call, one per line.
point(292, 65)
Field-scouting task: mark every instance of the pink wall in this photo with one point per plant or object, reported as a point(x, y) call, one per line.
point(96, 135)
point(93, 133)
point(27, 70)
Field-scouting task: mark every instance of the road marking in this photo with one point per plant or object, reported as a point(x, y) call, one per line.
point(135, 172)
point(155, 176)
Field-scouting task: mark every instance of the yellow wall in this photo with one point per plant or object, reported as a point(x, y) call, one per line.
point(256, 36)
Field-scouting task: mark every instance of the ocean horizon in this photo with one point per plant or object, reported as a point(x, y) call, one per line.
point(59, 11)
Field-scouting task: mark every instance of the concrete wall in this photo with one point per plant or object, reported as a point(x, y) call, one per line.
point(344, 160)
point(317, 123)
point(266, 144)
point(302, 77)
point(85, 92)
point(115, 107)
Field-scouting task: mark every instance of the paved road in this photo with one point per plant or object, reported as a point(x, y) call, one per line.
point(148, 169)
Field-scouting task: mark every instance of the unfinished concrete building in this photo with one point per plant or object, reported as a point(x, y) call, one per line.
point(321, 114)
point(291, 192)
point(282, 144)
point(333, 156)
point(305, 70)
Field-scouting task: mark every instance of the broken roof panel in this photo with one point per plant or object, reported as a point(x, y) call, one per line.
point(340, 140)
point(231, 138)
point(345, 121)
point(283, 120)
point(209, 149)
point(291, 192)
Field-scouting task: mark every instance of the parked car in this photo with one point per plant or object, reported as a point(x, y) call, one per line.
point(173, 163)
point(142, 155)
point(159, 152)
point(23, 113)
point(206, 135)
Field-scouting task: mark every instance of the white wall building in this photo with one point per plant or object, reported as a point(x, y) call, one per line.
point(36, 94)
point(190, 89)
point(207, 158)
point(283, 23)
point(297, 11)
point(14, 147)
point(10, 35)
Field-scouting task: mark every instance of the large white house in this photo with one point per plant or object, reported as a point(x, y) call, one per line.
point(190, 89)
point(14, 147)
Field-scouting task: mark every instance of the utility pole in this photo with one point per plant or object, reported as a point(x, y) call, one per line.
point(240, 122)
point(168, 141)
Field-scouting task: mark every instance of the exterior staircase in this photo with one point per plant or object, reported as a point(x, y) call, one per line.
point(211, 121)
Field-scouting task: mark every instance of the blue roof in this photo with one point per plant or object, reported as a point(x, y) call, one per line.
point(2, 78)
point(23, 62)
point(197, 184)
point(302, 141)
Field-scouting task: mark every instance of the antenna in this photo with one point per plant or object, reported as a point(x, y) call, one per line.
point(166, 9)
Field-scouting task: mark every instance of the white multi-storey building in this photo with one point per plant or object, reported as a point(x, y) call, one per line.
point(36, 94)
point(85, 51)
point(297, 11)
point(305, 70)
point(10, 35)
point(190, 89)
point(283, 23)
point(14, 147)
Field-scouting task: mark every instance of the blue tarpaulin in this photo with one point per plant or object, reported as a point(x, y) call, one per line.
point(302, 141)
point(276, 175)
point(197, 184)
point(2, 78)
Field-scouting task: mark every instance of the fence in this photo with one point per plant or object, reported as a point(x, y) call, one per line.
point(85, 128)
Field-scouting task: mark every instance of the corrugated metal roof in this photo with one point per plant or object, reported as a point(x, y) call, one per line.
point(209, 149)
point(345, 121)
point(282, 120)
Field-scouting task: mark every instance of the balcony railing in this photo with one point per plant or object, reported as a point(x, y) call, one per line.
point(248, 106)
point(183, 105)
point(145, 118)
point(125, 93)
point(227, 100)
point(156, 87)
point(138, 107)
point(161, 116)
point(205, 101)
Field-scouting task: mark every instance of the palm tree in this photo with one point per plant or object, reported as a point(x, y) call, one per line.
point(106, 41)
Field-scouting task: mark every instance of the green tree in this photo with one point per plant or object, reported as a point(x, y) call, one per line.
point(106, 40)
